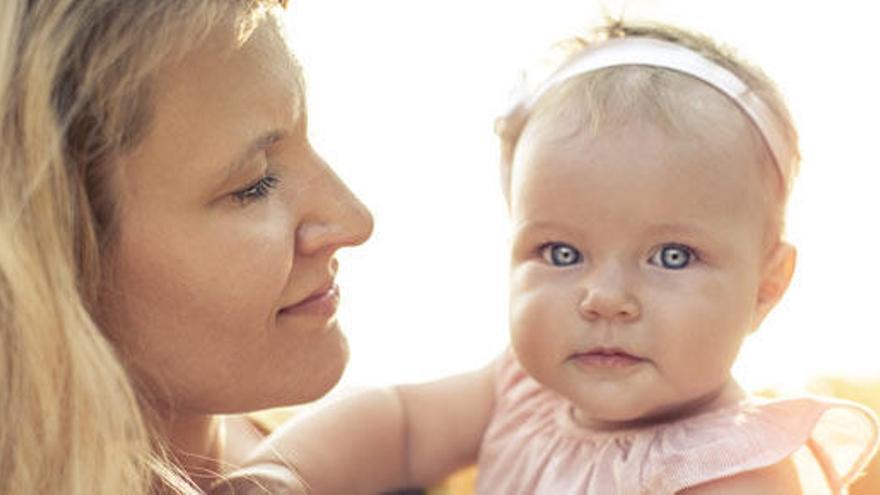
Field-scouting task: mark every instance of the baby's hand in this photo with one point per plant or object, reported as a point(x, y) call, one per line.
point(260, 479)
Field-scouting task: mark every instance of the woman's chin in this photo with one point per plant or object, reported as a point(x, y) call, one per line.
point(312, 382)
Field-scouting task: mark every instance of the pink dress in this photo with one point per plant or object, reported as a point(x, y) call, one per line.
point(533, 446)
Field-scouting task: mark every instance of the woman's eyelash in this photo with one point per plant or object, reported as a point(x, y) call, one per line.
point(257, 190)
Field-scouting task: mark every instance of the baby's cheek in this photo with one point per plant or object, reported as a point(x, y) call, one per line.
point(528, 298)
point(701, 356)
point(531, 328)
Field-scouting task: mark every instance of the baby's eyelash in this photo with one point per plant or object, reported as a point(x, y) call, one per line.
point(257, 190)
point(559, 254)
point(674, 256)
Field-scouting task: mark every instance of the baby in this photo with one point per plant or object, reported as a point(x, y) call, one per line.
point(646, 181)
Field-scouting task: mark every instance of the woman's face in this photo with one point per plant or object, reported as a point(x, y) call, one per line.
point(219, 282)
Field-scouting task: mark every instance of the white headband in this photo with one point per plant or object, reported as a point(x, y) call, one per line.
point(664, 54)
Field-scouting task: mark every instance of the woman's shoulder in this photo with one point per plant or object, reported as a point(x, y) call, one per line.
point(260, 479)
point(242, 436)
point(244, 433)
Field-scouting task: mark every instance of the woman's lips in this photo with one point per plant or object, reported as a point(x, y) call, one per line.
point(321, 303)
point(607, 359)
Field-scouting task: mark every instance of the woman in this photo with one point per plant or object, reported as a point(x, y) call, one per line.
point(167, 241)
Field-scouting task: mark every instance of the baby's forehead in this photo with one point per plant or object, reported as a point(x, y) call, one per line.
point(680, 104)
point(688, 119)
point(635, 184)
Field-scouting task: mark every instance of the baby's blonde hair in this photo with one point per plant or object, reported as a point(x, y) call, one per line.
point(614, 95)
point(75, 96)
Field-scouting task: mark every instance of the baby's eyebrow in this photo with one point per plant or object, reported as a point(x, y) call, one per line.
point(680, 228)
point(539, 231)
point(541, 226)
point(530, 225)
point(545, 222)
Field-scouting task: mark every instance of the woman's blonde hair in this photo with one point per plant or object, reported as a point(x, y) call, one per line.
point(75, 96)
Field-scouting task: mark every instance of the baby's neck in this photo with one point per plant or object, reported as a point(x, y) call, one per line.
point(727, 394)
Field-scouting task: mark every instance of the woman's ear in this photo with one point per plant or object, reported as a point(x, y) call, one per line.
point(775, 277)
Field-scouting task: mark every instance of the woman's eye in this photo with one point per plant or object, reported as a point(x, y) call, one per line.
point(673, 256)
point(257, 190)
point(559, 254)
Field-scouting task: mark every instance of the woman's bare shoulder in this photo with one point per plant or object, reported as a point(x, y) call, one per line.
point(243, 435)
point(260, 479)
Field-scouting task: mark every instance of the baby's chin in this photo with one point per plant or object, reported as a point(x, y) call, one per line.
point(613, 415)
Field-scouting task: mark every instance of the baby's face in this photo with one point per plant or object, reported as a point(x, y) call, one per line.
point(636, 265)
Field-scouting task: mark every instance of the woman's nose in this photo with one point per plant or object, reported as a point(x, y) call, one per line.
point(338, 219)
point(608, 296)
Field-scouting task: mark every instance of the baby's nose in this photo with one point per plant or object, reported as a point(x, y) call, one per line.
point(608, 297)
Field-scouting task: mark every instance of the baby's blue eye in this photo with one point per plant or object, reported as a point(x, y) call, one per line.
point(673, 256)
point(559, 254)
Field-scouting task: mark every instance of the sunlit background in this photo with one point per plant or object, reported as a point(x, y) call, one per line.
point(403, 94)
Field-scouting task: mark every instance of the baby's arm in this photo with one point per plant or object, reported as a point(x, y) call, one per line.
point(779, 479)
point(410, 435)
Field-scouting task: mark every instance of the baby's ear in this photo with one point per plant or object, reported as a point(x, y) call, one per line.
point(505, 182)
point(776, 275)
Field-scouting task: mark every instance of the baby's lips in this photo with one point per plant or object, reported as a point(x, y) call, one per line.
point(607, 357)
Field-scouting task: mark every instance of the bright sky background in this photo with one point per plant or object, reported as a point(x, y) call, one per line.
point(403, 94)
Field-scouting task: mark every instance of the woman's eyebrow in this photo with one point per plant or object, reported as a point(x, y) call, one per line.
point(254, 147)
